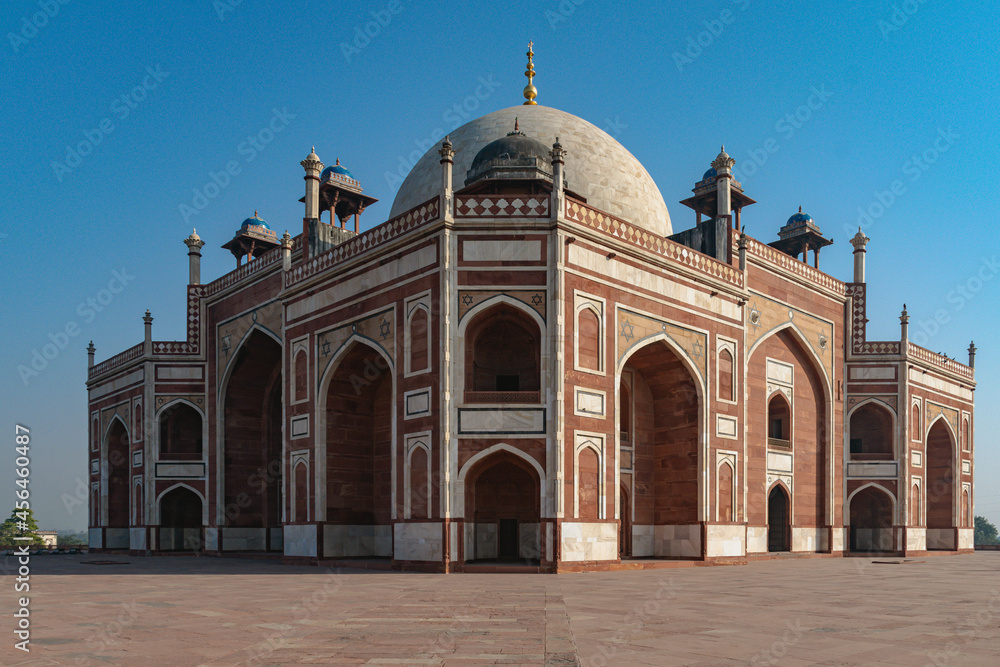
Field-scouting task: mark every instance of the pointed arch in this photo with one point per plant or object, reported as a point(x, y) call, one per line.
point(870, 513)
point(116, 474)
point(696, 479)
point(877, 486)
point(861, 432)
point(322, 399)
point(182, 520)
point(459, 500)
point(258, 394)
point(941, 418)
point(803, 342)
point(826, 436)
point(580, 488)
point(228, 370)
point(177, 485)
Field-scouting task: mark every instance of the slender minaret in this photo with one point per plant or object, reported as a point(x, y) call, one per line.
point(972, 354)
point(194, 244)
point(313, 167)
point(286, 251)
point(723, 166)
point(557, 154)
point(90, 354)
point(904, 325)
point(530, 92)
point(148, 321)
point(447, 154)
point(859, 242)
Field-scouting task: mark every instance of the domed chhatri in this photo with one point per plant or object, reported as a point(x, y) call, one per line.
point(800, 218)
point(515, 156)
point(597, 166)
point(255, 221)
point(710, 175)
point(337, 169)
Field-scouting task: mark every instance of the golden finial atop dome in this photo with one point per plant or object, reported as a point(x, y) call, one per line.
point(530, 92)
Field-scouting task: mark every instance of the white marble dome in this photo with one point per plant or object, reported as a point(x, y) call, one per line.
point(597, 166)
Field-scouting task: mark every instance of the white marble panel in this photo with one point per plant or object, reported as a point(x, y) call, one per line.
point(211, 539)
point(682, 541)
point(916, 539)
point(485, 540)
point(808, 539)
point(725, 426)
point(357, 541)
point(966, 538)
point(779, 462)
point(418, 541)
point(642, 541)
point(865, 373)
point(243, 539)
point(940, 538)
point(872, 469)
point(116, 538)
point(181, 373)
point(583, 541)
point(779, 372)
point(180, 470)
point(725, 540)
point(756, 539)
point(501, 421)
point(928, 380)
point(589, 403)
point(501, 251)
point(300, 541)
point(137, 539)
point(94, 539)
point(529, 537)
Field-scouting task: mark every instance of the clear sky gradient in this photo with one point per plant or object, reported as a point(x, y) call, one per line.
point(858, 112)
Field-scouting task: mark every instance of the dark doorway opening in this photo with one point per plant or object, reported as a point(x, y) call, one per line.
point(778, 527)
point(507, 539)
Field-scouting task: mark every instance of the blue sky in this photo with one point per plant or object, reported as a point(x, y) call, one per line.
point(823, 106)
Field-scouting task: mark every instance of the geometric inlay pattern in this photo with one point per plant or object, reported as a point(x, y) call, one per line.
point(632, 328)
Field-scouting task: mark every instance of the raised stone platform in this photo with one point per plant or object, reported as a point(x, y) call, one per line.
point(941, 610)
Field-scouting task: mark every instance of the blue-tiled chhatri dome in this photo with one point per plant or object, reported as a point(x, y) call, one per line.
point(256, 220)
point(800, 218)
point(711, 174)
point(338, 170)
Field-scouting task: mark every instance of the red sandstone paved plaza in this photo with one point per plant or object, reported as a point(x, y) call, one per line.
point(939, 610)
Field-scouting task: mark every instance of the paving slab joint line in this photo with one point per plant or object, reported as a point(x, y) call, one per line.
point(557, 619)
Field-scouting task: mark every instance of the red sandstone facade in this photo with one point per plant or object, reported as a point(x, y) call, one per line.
point(514, 375)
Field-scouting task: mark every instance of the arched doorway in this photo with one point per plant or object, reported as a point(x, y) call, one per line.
point(778, 520)
point(503, 510)
point(359, 419)
point(180, 433)
point(660, 425)
point(871, 521)
point(940, 488)
point(119, 489)
point(502, 357)
point(252, 470)
point(625, 525)
point(871, 433)
point(180, 520)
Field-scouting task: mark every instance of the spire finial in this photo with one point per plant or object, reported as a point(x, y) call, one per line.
point(255, 213)
point(338, 162)
point(517, 128)
point(530, 92)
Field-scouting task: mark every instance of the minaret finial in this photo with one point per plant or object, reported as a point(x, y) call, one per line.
point(530, 92)
point(517, 128)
